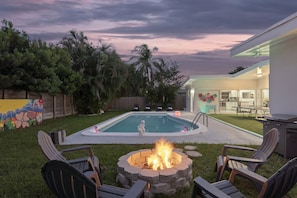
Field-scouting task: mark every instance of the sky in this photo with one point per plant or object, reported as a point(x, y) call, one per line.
point(196, 34)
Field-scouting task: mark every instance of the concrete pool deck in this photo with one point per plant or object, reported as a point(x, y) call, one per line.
point(217, 133)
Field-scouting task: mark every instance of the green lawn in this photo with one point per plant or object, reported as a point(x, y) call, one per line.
point(21, 158)
point(244, 121)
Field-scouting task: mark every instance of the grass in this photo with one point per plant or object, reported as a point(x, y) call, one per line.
point(21, 158)
point(247, 122)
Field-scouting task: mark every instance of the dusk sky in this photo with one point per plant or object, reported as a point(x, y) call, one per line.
point(197, 34)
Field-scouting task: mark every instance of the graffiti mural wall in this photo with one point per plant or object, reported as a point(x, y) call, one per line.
point(20, 113)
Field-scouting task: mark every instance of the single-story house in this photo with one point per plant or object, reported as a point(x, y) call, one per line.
point(279, 43)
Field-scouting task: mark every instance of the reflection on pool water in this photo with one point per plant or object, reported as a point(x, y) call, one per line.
point(155, 124)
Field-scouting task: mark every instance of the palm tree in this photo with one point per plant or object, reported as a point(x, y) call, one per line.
point(102, 70)
point(79, 48)
point(144, 61)
point(112, 72)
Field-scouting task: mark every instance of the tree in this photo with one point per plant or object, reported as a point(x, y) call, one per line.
point(32, 65)
point(164, 78)
point(167, 81)
point(13, 44)
point(144, 62)
point(101, 68)
point(38, 70)
point(79, 49)
point(133, 85)
point(115, 73)
point(106, 79)
point(71, 79)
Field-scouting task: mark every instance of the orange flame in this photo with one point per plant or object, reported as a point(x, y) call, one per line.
point(161, 158)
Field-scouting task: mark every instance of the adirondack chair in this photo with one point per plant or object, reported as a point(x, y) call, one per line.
point(260, 156)
point(66, 181)
point(278, 185)
point(52, 153)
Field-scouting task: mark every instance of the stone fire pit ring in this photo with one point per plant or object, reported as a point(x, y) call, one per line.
point(167, 181)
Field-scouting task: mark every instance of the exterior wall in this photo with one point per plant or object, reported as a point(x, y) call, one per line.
point(225, 84)
point(263, 83)
point(206, 101)
point(283, 79)
point(188, 99)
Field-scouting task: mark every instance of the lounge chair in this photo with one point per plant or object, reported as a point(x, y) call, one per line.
point(52, 153)
point(136, 107)
point(66, 181)
point(147, 107)
point(278, 185)
point(260, 156)
point(169, 107)
point(159, 107)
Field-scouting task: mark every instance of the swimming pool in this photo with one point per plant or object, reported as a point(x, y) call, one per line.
point(156, 124)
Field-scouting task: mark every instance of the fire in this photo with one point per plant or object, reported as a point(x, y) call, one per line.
point(161, 158)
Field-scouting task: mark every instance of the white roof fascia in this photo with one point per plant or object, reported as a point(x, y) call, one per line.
point(250, 68)
point(277, 30)
point(210, 76)
point(193, 78)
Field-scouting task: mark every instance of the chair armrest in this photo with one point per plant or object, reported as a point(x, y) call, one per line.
point(88, 147)
point(204, 185)
point(245, 159)
point(78, 160)
point(224, 150)
point(247, 174)
point(137, 190)
point(92, 175)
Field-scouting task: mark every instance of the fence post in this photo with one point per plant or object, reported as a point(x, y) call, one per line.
point(54, 107)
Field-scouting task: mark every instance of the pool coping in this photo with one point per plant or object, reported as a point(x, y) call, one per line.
point(217, 133)
point(92, 132)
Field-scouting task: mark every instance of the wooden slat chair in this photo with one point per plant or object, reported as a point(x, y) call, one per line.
point(260, 156)
point(66, 181)
point(278, 185)
point(52, 153)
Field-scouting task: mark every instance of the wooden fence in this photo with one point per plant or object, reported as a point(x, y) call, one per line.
point(62, 105)
point(53, 106)
point(127, 103)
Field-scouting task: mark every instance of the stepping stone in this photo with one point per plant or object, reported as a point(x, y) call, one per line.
point(193, 154)
point(190, 148)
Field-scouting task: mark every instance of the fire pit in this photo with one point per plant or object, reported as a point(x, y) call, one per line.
point(165, 175)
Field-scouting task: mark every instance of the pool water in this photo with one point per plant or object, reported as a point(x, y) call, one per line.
point(159, 123)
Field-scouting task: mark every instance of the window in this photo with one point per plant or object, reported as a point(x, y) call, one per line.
point(247, 95)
